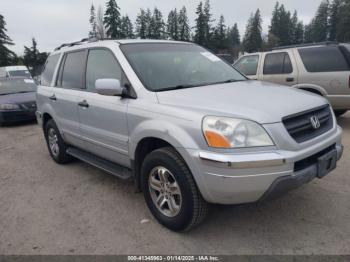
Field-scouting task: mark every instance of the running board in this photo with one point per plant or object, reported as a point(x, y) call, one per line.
point(105, 165)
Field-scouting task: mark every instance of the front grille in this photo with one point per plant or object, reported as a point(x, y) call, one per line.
point(299, 126)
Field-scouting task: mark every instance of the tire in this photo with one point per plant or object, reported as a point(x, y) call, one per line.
point(339, 113)
point(57, 151)
point(190, 207)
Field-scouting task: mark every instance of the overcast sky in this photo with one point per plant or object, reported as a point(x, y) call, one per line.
point(59, 21)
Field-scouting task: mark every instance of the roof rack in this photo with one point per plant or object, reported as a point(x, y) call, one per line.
point(82, 41)
point(305, 45)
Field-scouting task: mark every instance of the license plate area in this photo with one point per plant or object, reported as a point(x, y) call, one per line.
point(327, 163)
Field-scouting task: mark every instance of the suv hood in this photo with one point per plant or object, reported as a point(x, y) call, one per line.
point(258, 101)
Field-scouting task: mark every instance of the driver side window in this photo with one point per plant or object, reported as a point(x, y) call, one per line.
point(101, 64)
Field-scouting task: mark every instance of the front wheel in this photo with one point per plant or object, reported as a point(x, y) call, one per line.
point(55, 143)
point(171, 192)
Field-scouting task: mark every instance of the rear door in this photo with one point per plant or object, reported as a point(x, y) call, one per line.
point(280, 68)
point(248, 65)
point(67, 95)
point(327, 67)
point(103, 118)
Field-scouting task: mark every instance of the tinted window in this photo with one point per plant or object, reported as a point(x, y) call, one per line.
point(20, 73)
point(72, 76)
point(49, 70)
point(323, 59)
point(163, 67)
point(248, 65)
point(101, 64)
point(277, 63)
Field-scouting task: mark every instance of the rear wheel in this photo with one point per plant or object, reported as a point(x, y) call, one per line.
point(170, 191)
point(339, 113)
point(55, 143)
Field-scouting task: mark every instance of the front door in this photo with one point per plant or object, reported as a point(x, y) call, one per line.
point(103, 121)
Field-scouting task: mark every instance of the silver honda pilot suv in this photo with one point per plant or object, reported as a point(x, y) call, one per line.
point(183, 124)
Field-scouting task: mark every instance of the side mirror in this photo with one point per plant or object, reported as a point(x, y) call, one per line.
point(109, 87)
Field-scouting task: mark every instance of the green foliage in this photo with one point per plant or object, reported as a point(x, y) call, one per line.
point(112, 20)
point(93, 23)
point(7, 57)
point(173, 25)
point(34, 59)
point(126, 28)
point(343, 22)
point(200, 34)
point(184, 27)
point(252, 41)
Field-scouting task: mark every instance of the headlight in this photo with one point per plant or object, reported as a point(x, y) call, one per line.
point(6, 107)
point(224, 132)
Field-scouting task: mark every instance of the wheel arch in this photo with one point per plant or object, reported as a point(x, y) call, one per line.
point(312, 89)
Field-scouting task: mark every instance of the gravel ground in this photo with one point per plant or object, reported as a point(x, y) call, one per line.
point(77, 209)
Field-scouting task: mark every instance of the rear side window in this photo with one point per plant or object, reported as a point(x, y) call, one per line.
point(49, 70)
point(277, 63)
point(73, 70)
point(248, 65)
point(101, 64)
point(323, 59)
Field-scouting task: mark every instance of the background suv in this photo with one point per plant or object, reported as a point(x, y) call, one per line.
point(185, 125)
point(322, 69)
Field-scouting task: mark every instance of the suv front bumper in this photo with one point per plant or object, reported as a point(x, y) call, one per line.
point(250, 177)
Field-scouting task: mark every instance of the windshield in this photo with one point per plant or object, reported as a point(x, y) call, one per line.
point(163, 67)
point(12, 86)
point(20, 73)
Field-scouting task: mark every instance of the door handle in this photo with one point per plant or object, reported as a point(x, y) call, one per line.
point(53, 98)
point(83, 104)
point(290, 79)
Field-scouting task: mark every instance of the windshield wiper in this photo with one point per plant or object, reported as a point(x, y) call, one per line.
point(177, 87)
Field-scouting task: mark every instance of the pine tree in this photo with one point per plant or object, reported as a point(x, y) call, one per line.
point(112, 19)
point(200, 28)
point(173, 25)
point(149, 24)
point(343, 25)
point(93, 23)
point(141, 24)
point(6, 55)
point(220, 35)
point(281, 28)
point(319, 25)
point(252, 41)
point(334, 19)
point(297, 30)
point(33, 59)
point(157, 24)
point(234, 40)
point(184, 27)
point(207, 24)
point(127, 29)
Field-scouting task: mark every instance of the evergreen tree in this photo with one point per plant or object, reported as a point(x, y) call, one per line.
point(220, 35)
point(334, 19)
point(157, 24)
point(93, 23)
point(173, 25)
point(200, 28)
point(280, 31)
point(6, 55)
point(33, 59)
point(252, 41)
point(343, 25)
point(235, 36)
point(127, 29)
point(297, 30)
point(112, 19)
point(141, 24)
point(207, 23)
point(184, 27)
point(319, 25)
